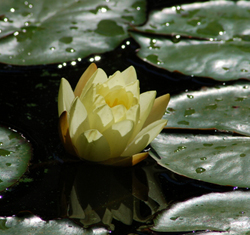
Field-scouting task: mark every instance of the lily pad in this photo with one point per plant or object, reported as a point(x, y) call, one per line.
point(36, 226)
point(217, 159)
point(15, 153)
point(228, 212)
point(41, 32)
point(220, 60)
point(223, 108)
point(218, 20)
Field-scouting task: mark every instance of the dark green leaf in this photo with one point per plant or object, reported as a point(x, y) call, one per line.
point(228, 212)
point(36, 226)
point(217, 159)
point(38, 32)
point(15, 153)
point(223, 108)
point(213, 19)
point(221, 60)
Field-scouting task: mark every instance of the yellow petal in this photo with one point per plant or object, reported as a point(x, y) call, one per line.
point(115, 80)
point(134, 88)
point(84, 78)
point(101, 118)
point(136, 158)
point(78, 120)
point(126, 161)
point(144, 137)
point(118, 135)
point(64, 133)
point(133, 114)
point(65, 96)
point(159, 108)
point(98, 77)
point(119, 113)
point(146, 103)
point(117, 96)
point(129, 75)
point(92, 146)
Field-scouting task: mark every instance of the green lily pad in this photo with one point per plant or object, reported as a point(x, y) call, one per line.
point(15, 153)
point(227, 212)
point(218, 20)
point(217, 159)
point(36, 226)
point(39, 32)
point(223, 108)
point(220, 60)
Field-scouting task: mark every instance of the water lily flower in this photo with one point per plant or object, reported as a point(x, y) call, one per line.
point(107, 120)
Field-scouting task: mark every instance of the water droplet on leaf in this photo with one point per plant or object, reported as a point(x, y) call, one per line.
point(200, 170)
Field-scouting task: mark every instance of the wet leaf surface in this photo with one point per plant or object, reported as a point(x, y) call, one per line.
point(227, 212)
point(38, 32)
point(222, 107)
point(217, 159)
point(15, 154)
point(219, 20)
point(34, 225)
point(222, 56)
point(223, 61)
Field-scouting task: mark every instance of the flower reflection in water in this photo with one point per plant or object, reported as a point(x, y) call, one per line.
point(98, 194)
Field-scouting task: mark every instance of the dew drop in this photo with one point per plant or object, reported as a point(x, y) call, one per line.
point(203, 158)
point(207, 145)
point(200, 170)
point(52, 48)
point(97, 58)
point(240, 98)
point(73, 63)
point(174, 217)
point(69, 49)
point(243, 155)
point(183, 122)
point(4, 152)
point(66, 40)
point(190, 96)
point(245, 87)
point(12, 9)
point(180, 148)
point(176, 38)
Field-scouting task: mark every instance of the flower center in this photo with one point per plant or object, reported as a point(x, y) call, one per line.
point(119, 96)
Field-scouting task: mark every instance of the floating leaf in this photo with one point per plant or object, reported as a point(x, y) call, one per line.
point(15, 153)
point(217, 159)
point(220, 60)
point(213, 19)
point(223, 108)
point(228, 212)
point(38, 32)
point(36, 226)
